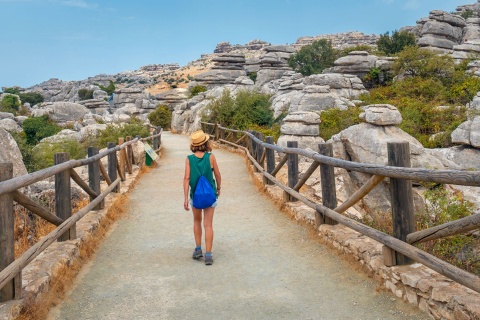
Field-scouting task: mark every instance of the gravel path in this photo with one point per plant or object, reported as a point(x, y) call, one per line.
point(266, 266)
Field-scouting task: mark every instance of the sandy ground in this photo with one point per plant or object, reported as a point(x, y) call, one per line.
point(266, 266)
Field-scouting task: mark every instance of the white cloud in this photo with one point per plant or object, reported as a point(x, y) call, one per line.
point(412, 5)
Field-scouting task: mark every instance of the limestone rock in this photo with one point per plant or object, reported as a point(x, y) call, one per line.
point(11, 153)
point(6, 115)
point(10, 125)
point(62, 136)
point(465, 157)
point(304, 142)
point(381, 115)
point(91, 130)
point(461, 134)
point(64, 112)
point(357, 63)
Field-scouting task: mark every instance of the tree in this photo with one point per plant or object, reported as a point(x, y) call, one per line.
point(85, 94)
point(9, 103)
point(396, 43)
point(31, 97)
point(424, 63)
point(109, 89)
point(314, 58)
point(161, 116)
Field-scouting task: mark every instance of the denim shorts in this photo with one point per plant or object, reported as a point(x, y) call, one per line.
point(214, 205)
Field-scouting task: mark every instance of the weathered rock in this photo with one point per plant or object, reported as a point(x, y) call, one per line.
point(461, 134)
point(465, 157)
point(10, 125)
point(219, 77)
point(62, 136)
point(128, 110)
point(64, 112)
point(91, 130)
point(381, 115)
point(357, 63)
point(11, 153)
point(304, 142)
point(6, 115)
point(20, 119)
point(244, 80)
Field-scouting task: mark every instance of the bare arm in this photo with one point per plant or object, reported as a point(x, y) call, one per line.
point(216, 172)
point(186, 181)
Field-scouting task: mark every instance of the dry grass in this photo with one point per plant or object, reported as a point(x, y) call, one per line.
point(162, 86)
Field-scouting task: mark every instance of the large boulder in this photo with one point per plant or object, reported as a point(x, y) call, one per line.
point(11, 153)
point(10, 125)
point(468, 133)
point(381, 115)
point(63, 136)
point(463, 156)
point(62, 112)
point(302, 127)
point(357, 63)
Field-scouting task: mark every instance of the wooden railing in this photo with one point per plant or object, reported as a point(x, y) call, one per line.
point(398, 249)
point(11, 268)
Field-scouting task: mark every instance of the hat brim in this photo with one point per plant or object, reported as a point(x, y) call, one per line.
point(207, 137)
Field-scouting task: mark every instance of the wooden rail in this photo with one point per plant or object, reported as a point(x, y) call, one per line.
point(400, 175)
point(63, 170)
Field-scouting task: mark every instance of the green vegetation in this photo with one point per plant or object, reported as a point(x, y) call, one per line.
point(252, 76)
point(425, 81)
point(31, 97)
point(85, 94)
point(314, 58)
point(12, 90)
point(246, 109)
point(113, 132)
point(467, 14)
point(443, 206)
point(161, 116)
point(9, 103)
point(37, 128)
point(336, 120)
point(108, 89)
point(399, 40)
point(42, 154)
point(197, 89)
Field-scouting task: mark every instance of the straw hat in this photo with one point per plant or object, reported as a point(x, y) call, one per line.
point(198, 138)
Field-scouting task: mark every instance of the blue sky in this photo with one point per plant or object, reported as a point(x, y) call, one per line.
point(75, 39)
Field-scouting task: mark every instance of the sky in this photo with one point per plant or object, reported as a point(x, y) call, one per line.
point(77, 39)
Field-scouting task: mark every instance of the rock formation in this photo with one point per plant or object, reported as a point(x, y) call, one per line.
point(303, 127)
point(274, 63)
point(227, 68)
point(341, 40)
point(11, 153)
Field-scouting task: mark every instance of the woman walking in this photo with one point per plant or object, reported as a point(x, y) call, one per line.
point(201, 162)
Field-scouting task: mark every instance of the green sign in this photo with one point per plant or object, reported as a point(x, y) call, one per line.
point(150, 151)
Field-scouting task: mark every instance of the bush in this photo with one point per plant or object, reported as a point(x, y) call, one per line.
point(161, 116)
point(113, 132)
point(31, 97)
point(252, 76)
point(395, 43)
point(314, 58)
point(196, 90)
point(467, 14)
point(109, 89)
point(12, 90)
point(42, 154)
point(335, 120)
point(246, 109)
point(37, 128)
point(85, 94)
point(420, 62)
point(444, 206)
point(9, 103)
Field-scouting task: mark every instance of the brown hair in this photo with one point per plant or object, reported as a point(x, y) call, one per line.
point(203, 147)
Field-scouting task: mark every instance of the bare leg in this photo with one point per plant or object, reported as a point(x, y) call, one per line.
point(208, 225)
point(197, 226)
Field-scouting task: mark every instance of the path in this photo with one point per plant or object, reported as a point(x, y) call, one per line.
point(266, 267)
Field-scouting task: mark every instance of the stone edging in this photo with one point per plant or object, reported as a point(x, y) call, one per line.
point(438, 296)
point(37, 276)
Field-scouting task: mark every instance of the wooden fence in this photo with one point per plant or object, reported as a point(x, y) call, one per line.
point(398, 249)
point(11, 268)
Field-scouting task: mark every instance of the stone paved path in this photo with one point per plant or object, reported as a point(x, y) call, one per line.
point(266, 267)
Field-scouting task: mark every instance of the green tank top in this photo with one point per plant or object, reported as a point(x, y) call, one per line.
point(199, 166)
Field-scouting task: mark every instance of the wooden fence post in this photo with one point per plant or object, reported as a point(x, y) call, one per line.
point(234, 134)
point(327, 178)
point(292, 165)
point(7, 246)
point(63, 196)
point(259, 135)
point(121, 160)
point(112, 166)
point(94, 176)
point(270, 156)
point(401, 192)
point(130, 151)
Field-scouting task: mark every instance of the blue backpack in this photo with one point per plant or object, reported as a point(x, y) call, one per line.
point(203, 196)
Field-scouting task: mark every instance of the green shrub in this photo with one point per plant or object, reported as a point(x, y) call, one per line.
point(12, 90)
point(161, 116)
point(196, 90)
point(395, 43)
point(335, 120)
point(113, 132)
point(443, 206)
point(31, 97)
point(246, 109)
point(314, 58)
point(42, 154)
point(467, 14)
point(108, 89)
point(9, 103)
point(37, 128)
point(252, 76)
point(425, 63)
point(272, 131)
point(360, 47)
point(25, 150)
point(85, 94)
